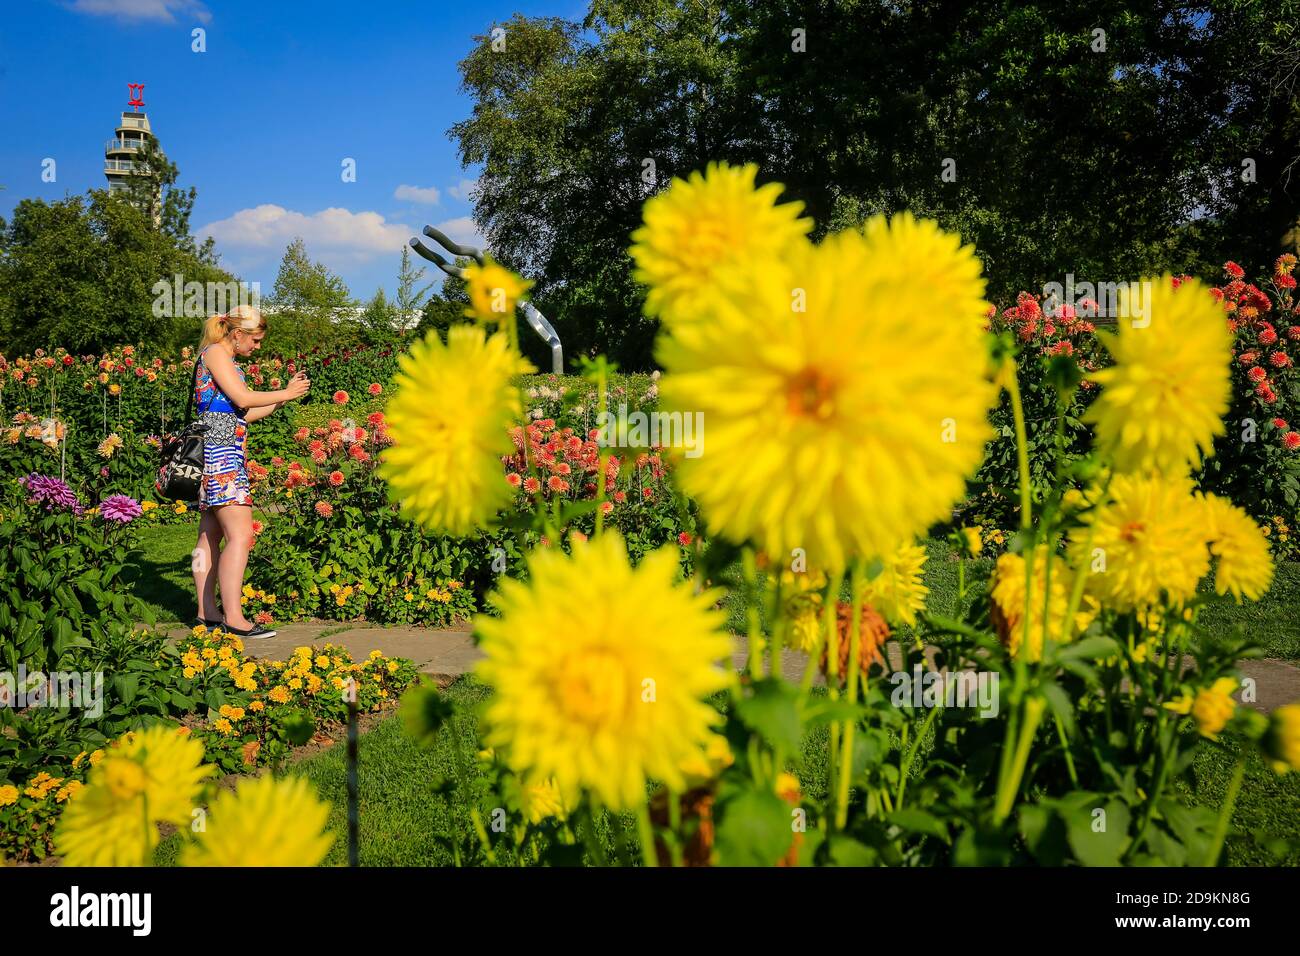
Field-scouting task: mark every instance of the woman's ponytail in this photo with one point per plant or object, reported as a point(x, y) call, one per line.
point(216, 328)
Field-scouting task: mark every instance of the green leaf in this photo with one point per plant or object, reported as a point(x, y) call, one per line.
point(772, 711)
point(755, 828)
point(1098, 833)
point(919, 821)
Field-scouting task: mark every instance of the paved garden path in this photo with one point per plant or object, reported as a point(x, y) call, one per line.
point(450, 652)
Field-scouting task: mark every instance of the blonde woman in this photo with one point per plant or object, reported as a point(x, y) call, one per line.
point(227, 406)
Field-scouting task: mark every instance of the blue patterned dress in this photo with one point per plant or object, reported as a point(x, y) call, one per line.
point(225, 444)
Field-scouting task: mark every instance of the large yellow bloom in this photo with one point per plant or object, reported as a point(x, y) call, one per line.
point(897, 592)
point(1149, 542)
point(265, 822)
point(1164, 399)
point(844, 403)
point(1245, 566)
point(449, 419)
point(1007, 600)
point(147, 777)
point(600, 670)
point(705, 226)
point(493, 291)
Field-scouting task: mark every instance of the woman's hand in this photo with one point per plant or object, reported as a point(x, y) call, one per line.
point(298, 386)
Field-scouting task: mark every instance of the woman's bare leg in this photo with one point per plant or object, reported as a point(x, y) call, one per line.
point(204, 564)
point(237, 525)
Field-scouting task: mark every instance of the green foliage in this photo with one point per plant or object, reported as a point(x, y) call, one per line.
point(81, 272)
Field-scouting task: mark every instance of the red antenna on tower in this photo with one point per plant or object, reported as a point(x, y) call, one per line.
point(137, 95)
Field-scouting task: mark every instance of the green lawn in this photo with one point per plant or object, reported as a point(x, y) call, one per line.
point(400, 814)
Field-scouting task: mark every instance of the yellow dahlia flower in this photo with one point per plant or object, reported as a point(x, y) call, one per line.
point(449, 419)
point(1163, 401)
point(493, 291)
point(897, 592)
point(1211, 708)
point(801, 598)
point(1007, 602)
point(1283, 741)
point(265, 822)
point(147, 777)
point(541, 801)
point(599, 671)
point(843, 404)
point(1244, 566)
point(705, 226)
point(1149, 542)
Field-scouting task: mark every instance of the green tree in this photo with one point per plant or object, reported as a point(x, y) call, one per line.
point(154, 191)
point(306, 303)
point(1104, 140)
point(379, 321)
point(81, 272)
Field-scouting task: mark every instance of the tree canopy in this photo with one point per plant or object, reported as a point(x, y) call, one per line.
point(1107, 140)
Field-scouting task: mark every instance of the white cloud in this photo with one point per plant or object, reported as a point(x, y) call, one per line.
point(430, 196)
point(161, 10)
point(344, 235)
point(462, 189)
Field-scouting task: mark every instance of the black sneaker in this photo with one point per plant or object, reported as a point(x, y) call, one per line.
point(257, 632)
point(209, 623)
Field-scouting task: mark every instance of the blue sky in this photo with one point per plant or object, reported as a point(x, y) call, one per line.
point(261, 122)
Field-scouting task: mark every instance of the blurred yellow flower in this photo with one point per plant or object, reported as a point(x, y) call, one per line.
point(897, 592)
point(1244, 565)
point(148, 776)
point(707, 225)
point(844, 416)
point(1162, 402)
point(1283, 740)
point(449, 420)
point(265, 822)
point(493, 291)
point(621, 699)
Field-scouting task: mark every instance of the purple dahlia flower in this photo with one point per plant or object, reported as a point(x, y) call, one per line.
point(52, 492)
point(119, 508)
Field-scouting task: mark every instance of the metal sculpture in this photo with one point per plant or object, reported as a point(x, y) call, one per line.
point(535, 319)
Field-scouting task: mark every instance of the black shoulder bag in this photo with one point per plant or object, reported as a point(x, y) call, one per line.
point(181, 474)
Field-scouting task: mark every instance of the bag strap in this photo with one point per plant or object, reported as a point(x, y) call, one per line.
point(189, 406)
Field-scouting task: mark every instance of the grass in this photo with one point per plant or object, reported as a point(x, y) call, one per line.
point(401, 815)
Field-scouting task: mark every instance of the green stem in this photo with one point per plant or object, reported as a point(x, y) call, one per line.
point(1011, 785)
point(1225, 813)
point(604, 452)
point(755, 663)
point(646, 832)
point(1022, 445)
point(906, 767)
point(855, 642)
